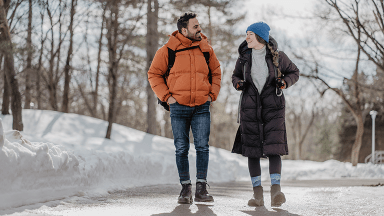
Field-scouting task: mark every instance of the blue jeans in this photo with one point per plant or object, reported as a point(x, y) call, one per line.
point(199, 119)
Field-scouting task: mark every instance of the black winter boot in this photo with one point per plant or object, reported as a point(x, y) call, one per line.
point(277, 197)
point(186, 194)
point(257, 199)
point(202, 194)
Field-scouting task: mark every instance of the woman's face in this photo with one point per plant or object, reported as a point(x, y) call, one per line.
point(252, 41)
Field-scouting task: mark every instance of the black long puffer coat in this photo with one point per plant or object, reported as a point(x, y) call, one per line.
point(262, 130)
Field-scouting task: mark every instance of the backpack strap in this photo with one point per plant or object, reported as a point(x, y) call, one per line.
point(207, 56)
point(171, 61)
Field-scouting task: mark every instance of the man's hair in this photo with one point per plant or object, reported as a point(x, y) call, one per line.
point(260, 39)
point(183, 21)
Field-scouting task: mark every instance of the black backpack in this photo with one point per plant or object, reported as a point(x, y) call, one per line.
point(171, 61)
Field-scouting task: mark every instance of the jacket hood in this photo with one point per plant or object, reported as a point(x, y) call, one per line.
point(243, 48)
point(176, 39)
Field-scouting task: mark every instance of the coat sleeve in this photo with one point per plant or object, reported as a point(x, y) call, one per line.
point(156, 71)
point(237, 73)
point(289, 70)
point(214, 65)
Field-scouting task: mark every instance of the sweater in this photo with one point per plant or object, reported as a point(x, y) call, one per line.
point(259, 70)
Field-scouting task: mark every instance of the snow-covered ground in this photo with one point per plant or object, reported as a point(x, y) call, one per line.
point(62, 155)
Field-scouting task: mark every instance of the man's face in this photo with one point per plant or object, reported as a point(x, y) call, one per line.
point(193, 30)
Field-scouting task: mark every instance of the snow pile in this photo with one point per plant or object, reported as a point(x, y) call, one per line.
point(69, 156)
point(61, 155)
point(331, 169)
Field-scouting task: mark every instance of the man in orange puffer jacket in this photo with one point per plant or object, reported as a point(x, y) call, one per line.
point(189, 93)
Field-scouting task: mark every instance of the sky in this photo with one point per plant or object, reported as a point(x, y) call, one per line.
point(65, 155)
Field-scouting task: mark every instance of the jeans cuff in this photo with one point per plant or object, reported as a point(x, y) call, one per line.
point(201, 180)
point(186, 182)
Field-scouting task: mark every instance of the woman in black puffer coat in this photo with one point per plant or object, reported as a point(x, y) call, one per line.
point(261, 73)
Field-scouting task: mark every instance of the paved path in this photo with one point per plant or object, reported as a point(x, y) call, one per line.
point(320, 197)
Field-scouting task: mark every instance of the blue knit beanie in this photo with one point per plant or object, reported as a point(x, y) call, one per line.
point(261, 29)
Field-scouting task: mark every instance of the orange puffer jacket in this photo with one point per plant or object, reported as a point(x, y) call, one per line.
point(188, 79)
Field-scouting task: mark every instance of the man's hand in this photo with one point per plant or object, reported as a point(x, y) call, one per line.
point(209, 98)
point(171, 100)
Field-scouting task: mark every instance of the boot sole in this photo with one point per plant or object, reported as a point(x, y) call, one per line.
point(185, 201)
point(278, 200)
point(203, 200)
point(255, 203)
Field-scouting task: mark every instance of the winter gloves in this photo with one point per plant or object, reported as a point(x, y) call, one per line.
point(240, 85)
point(280, 83)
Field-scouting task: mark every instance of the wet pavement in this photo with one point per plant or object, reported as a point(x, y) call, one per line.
point(312, 197)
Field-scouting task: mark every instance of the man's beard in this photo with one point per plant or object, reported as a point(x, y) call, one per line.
point(194, 37)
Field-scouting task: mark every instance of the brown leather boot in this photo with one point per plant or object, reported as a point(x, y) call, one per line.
point(257, 199)
point(186, 194)
point(202, 194)
point(277, 197)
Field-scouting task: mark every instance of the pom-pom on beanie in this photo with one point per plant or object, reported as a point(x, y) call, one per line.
point(261, 29)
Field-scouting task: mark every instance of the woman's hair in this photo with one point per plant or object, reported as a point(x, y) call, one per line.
point(260, 39)
point(275, 54)
point(183, 21)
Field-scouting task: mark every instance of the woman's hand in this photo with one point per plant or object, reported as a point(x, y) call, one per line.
point(240, 85)
point(281, 83)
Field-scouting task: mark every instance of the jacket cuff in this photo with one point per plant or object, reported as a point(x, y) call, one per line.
point(212, 96)
point(286, 82)
point(166, 97)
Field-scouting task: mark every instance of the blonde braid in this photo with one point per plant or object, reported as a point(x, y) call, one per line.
point(275, 54)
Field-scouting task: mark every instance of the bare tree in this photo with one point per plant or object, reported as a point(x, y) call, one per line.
point(299, 120)
point(38, 71)
point(100, 44)
point(28, 69)
point(365, 25)
point(118, 37)
point(67, 68)
point(152, 39)
point(365, 29)
point(353, 102)
point(6, 93)
point(7, 50)
point(112, 36)
point(52, 81)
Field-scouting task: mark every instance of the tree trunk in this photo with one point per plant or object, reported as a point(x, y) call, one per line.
point(52, 88)
point(152, 44)
point(112, 76)
point(96, 91)
point(358, 114)
point(358, 140)
point(29, 60)
point(6, 94)
point(5, 40)
point(67, 68)
point(39, 65)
